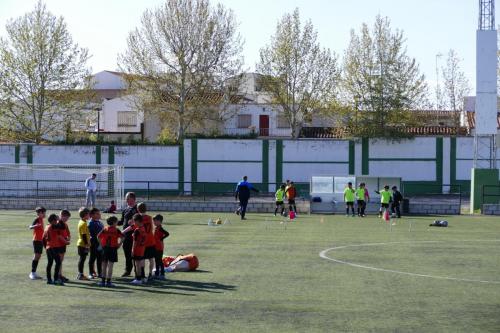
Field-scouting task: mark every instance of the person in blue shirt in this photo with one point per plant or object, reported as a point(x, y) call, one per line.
point(243, 195)
point(95, 227)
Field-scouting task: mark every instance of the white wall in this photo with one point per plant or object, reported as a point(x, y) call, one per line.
point(153, 163)
point(108, 80)
point(316, 150)
point(7, 154)
point(416, 148)
point(79, 155)
point(218, 155)
point(109, 114)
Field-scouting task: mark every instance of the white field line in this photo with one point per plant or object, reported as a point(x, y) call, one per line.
point(323, 254)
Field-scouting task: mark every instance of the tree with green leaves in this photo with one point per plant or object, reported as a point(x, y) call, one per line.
point(179, 61)
point(300, 76)
point(381, 83)
point(44, 79)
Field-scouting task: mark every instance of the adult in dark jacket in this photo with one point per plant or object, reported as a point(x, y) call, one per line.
point(243, 194)
point(397, 199)
point(127, 215)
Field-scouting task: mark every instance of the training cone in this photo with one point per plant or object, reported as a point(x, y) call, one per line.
point(387, 217)
point(291, 215)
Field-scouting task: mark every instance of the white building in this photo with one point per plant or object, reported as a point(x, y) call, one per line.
point(256, 113)
point(118, 113)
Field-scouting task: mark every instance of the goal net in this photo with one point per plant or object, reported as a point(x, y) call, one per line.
point(64, 182)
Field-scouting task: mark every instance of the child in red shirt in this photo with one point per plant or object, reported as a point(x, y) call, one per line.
point(149, 251)
point(160, 234)
point(64, 216)
point(138, 248)
point(53, 241)
point(37, 227)
point(110, 239)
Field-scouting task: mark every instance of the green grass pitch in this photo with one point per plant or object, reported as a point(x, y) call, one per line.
point(263, 276)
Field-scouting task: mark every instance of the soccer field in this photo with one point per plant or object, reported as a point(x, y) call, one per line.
point(258, 276)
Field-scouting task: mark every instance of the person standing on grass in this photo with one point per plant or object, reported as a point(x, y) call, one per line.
point(38, 227)
point(91, 187)
point(385, 199)
point(127, 215)
point(349, 199)
point(243, 194)
point(361, 194)
point(110, 239)
point(397, 198)
point(291, 194)
point(280, 198)
point(95, 227)
point(83, 243)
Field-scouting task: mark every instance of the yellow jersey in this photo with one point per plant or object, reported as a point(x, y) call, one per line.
point(83, 229)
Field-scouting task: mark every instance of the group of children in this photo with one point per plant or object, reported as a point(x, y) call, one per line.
point(361, 195)
point(100, 242)
point(286, 191)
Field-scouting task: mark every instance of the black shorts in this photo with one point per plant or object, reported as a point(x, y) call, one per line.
point(349, 203)
point(384, 205)
point(53, 251)
point(63, 249)
point(110, 254)
point(361, 202)
point(82, 251)
point(37, 247)
point(279, 203)
point(291, 201)
point(137, 257)
point(149, 252)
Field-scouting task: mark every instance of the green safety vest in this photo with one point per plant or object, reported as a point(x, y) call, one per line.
point(280, 195)
point(349, 195)
point(385, 196)
point(361, 193)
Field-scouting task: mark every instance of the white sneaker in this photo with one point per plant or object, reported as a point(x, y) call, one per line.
point(34, 276)
point(135, 281)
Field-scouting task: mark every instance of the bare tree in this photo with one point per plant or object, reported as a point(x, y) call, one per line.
point(301, 76)
point(44, 79)
point(381, 83)
point(179, 59)
point(456, 86)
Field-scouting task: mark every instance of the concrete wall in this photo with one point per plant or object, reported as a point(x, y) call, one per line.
point(424, 164)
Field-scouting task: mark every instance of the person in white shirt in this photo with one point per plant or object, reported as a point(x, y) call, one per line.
point(91, 187)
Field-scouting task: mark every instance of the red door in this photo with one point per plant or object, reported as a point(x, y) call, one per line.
point(263, 125)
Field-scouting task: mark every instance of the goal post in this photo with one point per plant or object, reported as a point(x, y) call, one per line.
point(61, 182)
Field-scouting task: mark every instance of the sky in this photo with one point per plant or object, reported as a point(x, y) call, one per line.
point(431, 27)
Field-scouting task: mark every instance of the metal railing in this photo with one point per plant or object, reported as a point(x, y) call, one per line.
point(433, 193)
point(60, 189)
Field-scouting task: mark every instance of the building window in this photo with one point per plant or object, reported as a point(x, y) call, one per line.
point(127, 118)
point(244, 120)
point(282, 122)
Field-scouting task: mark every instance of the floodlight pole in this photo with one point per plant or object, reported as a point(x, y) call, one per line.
point(484, 170)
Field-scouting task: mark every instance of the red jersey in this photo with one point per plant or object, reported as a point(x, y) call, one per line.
point(38, 229)
point(160, 234)
point(291, 193)
point(139, 245)
point(147, 222)
point(65, 229)
point(109, 236)
point(52, 237)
